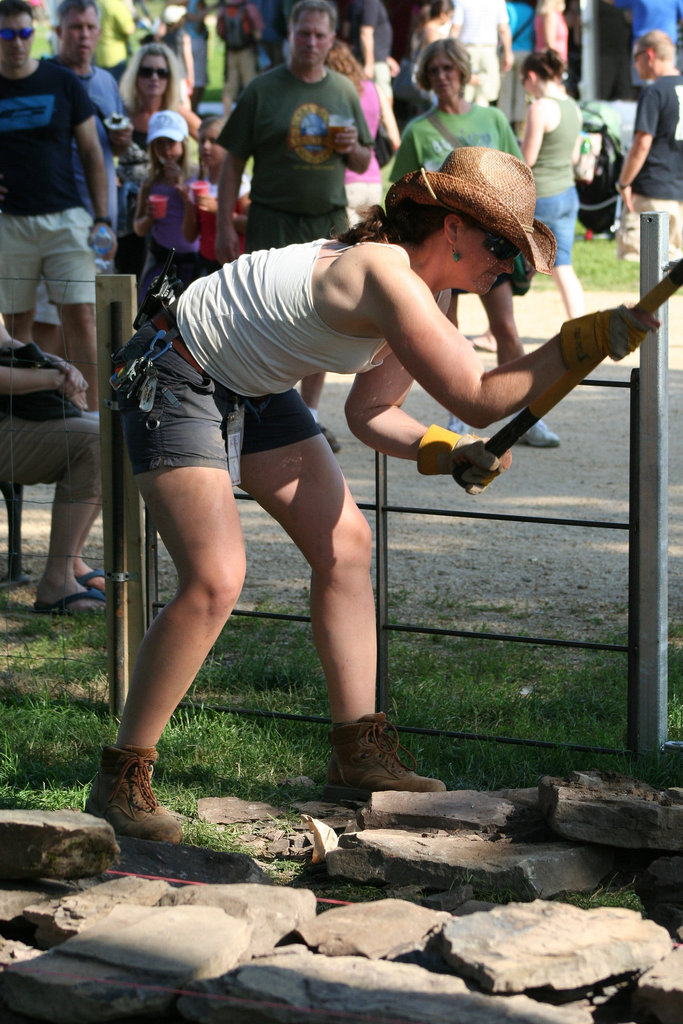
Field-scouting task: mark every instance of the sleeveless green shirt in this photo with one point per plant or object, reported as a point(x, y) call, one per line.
point(553, 171)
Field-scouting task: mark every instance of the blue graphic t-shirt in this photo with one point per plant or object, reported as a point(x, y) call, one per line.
point(103, 90)
point(37, 117)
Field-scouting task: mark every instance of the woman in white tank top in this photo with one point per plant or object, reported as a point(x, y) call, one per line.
point(366, 304)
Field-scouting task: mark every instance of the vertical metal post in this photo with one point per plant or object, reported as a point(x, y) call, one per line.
point(381, 573)
point(14, 497)
point(648, 729)
point(117, 591)
point(590, 48)
point(633, 563)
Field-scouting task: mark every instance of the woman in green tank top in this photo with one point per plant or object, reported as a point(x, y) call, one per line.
point(552, 138)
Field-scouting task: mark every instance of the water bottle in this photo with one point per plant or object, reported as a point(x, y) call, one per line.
point(584, 169)
point(101, 244)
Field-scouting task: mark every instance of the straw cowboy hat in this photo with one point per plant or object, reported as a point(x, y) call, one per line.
point(494, 188)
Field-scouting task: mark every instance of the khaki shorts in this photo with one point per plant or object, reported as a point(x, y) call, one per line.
point(62, 452)
point(628, 232)
point(486, 66)
point(53, 246)
point(382, 79)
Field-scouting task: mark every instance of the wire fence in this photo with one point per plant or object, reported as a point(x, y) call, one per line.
point(387, 509)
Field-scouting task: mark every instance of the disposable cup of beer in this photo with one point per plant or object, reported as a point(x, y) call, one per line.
point(199, 188)
point(158, 204)
point(337, 124)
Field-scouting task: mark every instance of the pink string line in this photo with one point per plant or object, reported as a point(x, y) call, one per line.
point(28, 968)
point(185, 881)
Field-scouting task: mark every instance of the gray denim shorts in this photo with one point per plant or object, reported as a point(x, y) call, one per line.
point(193, 432)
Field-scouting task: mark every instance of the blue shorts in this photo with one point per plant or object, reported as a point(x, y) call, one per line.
point(559, 213)
point(193, 432)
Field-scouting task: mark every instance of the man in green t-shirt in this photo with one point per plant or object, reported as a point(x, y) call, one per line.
point(283, 119)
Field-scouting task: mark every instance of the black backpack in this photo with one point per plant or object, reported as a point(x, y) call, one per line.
point(234, 26)
point(598, 199)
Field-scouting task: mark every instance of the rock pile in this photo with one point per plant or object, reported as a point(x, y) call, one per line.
point(185, 934)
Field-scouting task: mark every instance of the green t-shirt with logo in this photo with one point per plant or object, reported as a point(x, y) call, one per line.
point(282, 122)
point(423, 145)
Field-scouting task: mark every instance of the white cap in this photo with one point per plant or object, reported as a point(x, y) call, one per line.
point(173, 13)
point(167, 124)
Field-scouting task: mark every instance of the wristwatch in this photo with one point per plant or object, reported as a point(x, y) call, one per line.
point(621, 186)
point(102, 220)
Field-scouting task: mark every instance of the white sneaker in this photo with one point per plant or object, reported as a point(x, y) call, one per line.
point(457, 425)
point(539, 436)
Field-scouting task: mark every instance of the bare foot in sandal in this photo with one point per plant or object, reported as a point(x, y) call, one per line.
point(69, 598)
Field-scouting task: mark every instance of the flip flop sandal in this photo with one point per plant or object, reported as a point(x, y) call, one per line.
point(61, 607)
point(94, 574)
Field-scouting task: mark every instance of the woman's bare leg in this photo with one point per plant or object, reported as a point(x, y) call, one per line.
point(71, 524)
point(499, 309)
point(570, 290)
point(302, 487)
point(195, 512)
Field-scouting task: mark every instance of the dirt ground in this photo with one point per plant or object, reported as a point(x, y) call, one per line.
point(537, 578)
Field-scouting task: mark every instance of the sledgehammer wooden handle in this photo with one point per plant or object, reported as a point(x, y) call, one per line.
point(512, 431)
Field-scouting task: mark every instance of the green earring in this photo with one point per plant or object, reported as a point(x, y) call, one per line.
point(456, 256)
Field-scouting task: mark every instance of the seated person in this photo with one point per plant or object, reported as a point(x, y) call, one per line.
point(65, 452)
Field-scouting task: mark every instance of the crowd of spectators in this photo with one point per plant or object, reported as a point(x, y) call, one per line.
point(129, 86)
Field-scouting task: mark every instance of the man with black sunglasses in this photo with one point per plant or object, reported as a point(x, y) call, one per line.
point(45, 231)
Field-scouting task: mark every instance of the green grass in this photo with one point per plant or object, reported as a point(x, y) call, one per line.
point(55, 711)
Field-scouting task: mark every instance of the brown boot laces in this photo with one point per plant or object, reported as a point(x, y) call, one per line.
point(135, 771)
point(389, 745)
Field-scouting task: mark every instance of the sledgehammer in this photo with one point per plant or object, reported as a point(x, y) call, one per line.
point(512, 431)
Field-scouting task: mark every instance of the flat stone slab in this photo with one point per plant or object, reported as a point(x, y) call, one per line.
point(383, 930)
point(660, 990)
point(12, 951)
point(54, 844)
point(556, 946)
point(334, 815)
point(451, 900)
point(63, 917)
point(226, 810)
point(457, 810)
point(15, 897)
point(612, 809)
point(176, 862)
point(527, 870)
point(660, 887)
point(297, 986)
point(127, 964)
point(273, 913)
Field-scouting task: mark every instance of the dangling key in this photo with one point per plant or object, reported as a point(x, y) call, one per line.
point(148, 389)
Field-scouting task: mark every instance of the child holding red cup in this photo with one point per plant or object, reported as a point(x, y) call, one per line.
point(164, 198)
point(200, 219)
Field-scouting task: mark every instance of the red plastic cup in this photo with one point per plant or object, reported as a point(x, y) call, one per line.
point(158, 204)
point(200, 188)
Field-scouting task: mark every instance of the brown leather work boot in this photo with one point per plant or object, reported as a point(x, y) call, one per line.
point(122, 793)
point(365, 759)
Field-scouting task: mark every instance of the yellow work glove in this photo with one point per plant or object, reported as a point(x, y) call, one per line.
point(588, 339)
point(442, 450)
